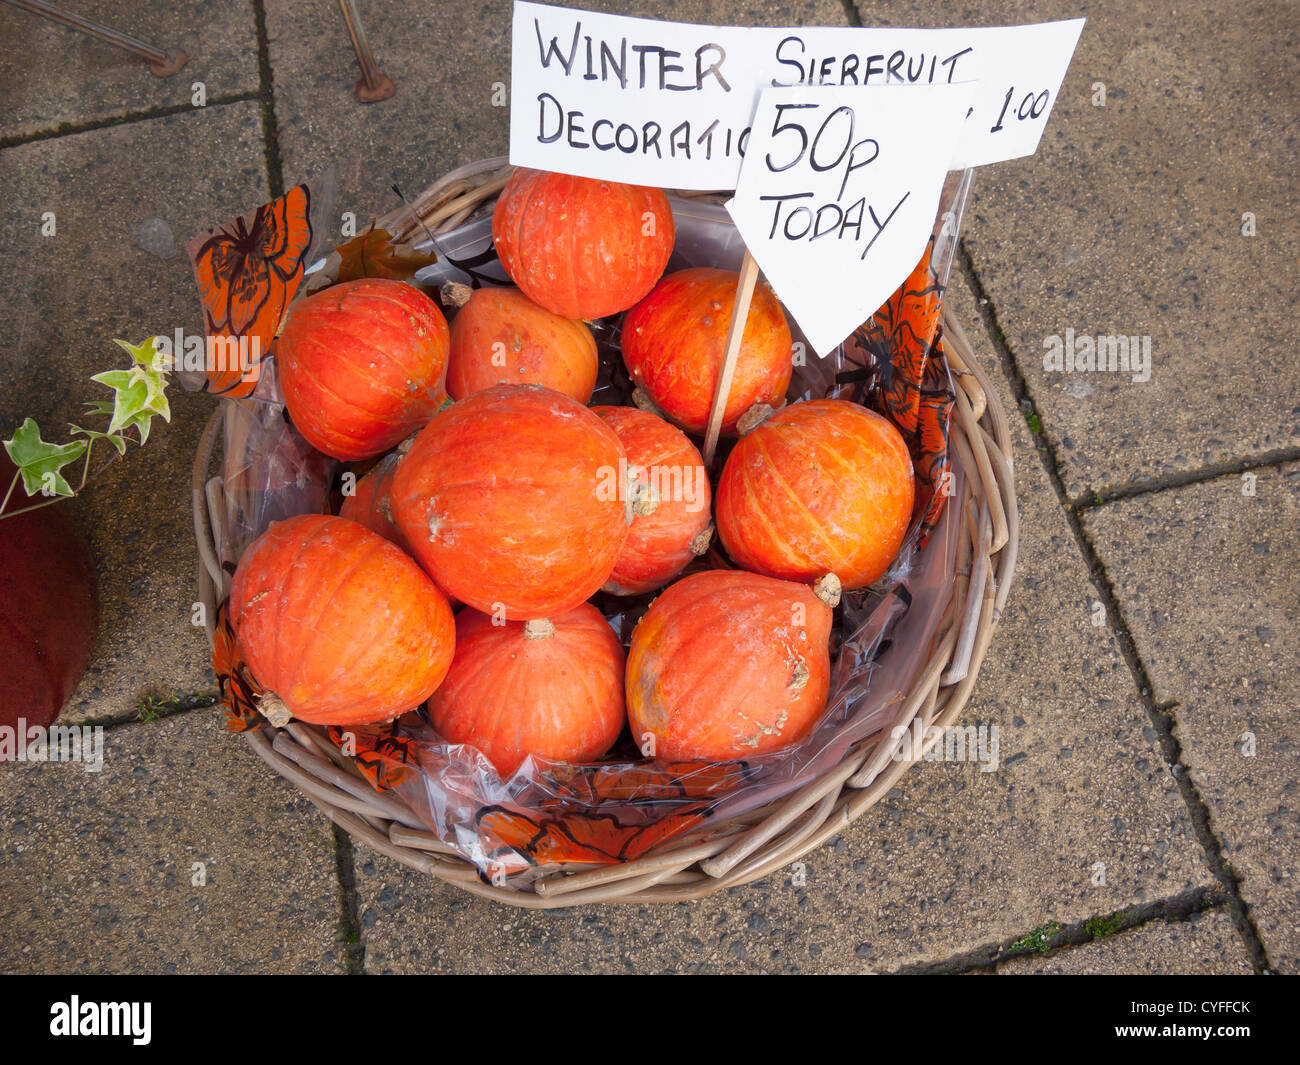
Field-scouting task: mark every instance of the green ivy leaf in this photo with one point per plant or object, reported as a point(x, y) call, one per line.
point(141, 423)
point(116, 439)
point(39, 462)
point(138, 393)
point(143, 354)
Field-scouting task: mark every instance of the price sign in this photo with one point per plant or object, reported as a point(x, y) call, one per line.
point(672, 104)
point(839, 192)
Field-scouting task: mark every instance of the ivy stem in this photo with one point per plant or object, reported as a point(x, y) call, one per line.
point(12, 485)
point(34, 506)
point(85, 466)
point(85, 476)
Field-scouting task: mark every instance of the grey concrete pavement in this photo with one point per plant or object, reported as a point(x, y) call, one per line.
point(1220, 643)
point(180, 855)
point(52, 77)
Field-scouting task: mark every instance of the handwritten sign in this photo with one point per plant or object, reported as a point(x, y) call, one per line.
point(671, 104)
point(839, 192)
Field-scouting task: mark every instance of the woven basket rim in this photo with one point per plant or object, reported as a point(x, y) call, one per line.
point(752, 845)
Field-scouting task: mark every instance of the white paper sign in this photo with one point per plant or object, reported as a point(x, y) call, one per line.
point(670, 103)
point(839, 193)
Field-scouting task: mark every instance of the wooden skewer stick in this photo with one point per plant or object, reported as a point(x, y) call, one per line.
point(735, 334)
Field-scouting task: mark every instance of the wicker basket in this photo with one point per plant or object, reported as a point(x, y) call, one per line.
point(719, 855)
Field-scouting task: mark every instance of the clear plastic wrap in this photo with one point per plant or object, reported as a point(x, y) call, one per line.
point(618, 809)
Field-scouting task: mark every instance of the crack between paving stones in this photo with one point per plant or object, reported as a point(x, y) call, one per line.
point(266, 93)
point(67, 129)
point(1161, 719)
point(1173, 910)
point(164, 709)
point(350, 932)
point(1268, 460)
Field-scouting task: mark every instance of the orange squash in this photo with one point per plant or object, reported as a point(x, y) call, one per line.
point(510, 500)
point(670, 504)
point(820, 487)
point(339, 625)
point(674, 341)
point(582, 248)
point(727, 664)
point(370, 503)
point(552, 689)
point(500, 337)
point(363, 365)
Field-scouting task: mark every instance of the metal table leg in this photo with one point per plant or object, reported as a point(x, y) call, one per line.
point(163, 64)
point(374, 85)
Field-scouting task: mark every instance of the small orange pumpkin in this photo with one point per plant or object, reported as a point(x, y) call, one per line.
point(579, 247)
point(670, 505)
point(727, 664)
point(370, 503)
point(500, 337)
point(510, 500)
point(339, 625)
point(820, 487)
point(549, 688)
point(674, 341)
point(363, 365)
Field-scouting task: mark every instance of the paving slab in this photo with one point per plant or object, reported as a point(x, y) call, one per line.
point(51, 76)
point(183, 854)
point(1206, 944)
point(113, 192)
point(1081, 817)
point(1206, 578)
point(1128, 222)
point(447, 61)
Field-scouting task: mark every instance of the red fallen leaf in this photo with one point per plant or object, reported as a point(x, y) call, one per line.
point(372, 254)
